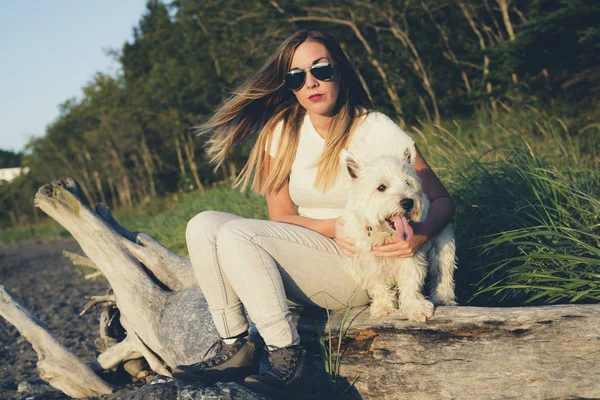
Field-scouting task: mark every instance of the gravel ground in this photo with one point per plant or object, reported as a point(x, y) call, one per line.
point(37, 276)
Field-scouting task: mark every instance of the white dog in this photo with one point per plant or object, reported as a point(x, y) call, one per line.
point(384, 195)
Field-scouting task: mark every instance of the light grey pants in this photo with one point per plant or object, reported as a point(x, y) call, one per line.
point(247, 263)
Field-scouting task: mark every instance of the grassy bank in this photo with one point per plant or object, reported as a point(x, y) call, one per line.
point(163, 218)
point(527, 192)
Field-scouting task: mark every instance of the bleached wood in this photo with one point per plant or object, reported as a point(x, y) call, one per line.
point(93, 275)
point(136, 368)
point(56, 365)
point(173, 271)
point(104, 321)
point(76, 259)
point(122, 351)
point(153, 361)
point(109, 298)
point(476, 353)
point(105, 214)
point(164, 311)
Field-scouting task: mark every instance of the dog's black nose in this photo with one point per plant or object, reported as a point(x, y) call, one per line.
point(407, 204)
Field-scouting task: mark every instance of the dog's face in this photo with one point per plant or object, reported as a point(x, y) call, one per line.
point(385, 192)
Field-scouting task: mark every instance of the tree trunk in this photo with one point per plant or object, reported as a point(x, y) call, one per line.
point(141, 191)
point(188, 146)
point(416, 63)
point(148, 164)
point(85, 174)
point(123, 187)
point(179, 156)
point(476, 353)
point(506, 18)
point(449, 53)
point(486, 60)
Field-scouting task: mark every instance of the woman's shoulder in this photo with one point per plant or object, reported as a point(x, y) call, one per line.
point(377, 129)
point(374, 118)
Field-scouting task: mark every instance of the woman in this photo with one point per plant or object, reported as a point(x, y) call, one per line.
point(307, 103)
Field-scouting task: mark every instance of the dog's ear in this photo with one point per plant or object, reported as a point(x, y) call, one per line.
point(409, 154)
point(352, 164)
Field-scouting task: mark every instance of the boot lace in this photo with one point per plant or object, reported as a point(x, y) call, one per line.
point(283, 362)
point(223, 352)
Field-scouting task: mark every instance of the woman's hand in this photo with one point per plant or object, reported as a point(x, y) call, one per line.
point(346, 245)
point(398, 247)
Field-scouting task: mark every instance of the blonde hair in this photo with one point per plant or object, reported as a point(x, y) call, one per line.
point(262, 102)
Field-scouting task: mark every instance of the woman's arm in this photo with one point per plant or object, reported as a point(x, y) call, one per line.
point(441, 212)
point(282, 209)
point(442, 208)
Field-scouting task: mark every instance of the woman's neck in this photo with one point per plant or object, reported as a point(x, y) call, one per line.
point(321, 124)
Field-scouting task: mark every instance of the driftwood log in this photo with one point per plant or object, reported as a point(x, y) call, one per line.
point(56, 364)
point(550, 352)
point(464, 352)
point(160, 307)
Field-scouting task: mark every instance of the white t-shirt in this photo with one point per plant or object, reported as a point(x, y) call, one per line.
point(376, 135)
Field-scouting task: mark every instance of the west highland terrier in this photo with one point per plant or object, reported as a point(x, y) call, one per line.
point(385, 194)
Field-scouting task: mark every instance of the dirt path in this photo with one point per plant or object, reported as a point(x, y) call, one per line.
point(37, 275)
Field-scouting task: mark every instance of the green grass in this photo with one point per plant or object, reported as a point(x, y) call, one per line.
point(527, 195)
point(163, 218)
point(527, 192)
point(331, 353)
point(168, 226)
point(46, 230)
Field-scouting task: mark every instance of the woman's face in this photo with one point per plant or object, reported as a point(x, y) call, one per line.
point(317, 97)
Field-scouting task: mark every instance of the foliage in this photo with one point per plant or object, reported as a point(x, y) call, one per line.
point(9, 159)
point(168, 224)
point(331, 354)
point(527, 209)
point(466, 78)
point(127, 140)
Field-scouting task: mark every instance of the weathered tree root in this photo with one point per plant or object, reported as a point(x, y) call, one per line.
point(57, 366)
point(161, 308)
point(109, 298)
point(76, 259)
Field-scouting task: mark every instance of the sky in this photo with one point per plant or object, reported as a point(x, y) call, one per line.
point(49, 50)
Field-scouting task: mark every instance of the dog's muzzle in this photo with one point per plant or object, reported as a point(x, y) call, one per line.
point(407, 204)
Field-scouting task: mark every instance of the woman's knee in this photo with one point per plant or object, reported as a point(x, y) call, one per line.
point(206, 225)
point(239, 230)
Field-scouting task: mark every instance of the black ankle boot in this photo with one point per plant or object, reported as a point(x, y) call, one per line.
point(290, 376)
point(231, 362)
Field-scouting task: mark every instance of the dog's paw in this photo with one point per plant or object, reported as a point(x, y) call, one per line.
point(443, 299)
point(381, 309)
point(419, 311)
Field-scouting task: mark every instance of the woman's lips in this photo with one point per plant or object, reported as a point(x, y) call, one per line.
point(315, 97)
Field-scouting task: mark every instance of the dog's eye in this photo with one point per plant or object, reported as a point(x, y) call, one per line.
point(382, 188)
point(407, 183)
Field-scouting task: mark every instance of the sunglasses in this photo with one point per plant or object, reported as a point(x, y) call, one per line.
point(294, 80)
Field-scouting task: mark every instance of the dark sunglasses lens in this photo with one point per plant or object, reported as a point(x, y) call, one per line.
point(323, 72)
point(294, 80)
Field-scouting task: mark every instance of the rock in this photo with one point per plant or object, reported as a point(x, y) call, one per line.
point(26, 387)
point(162, 388)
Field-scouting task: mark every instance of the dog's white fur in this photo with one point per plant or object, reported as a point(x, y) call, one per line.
point(368, 207)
